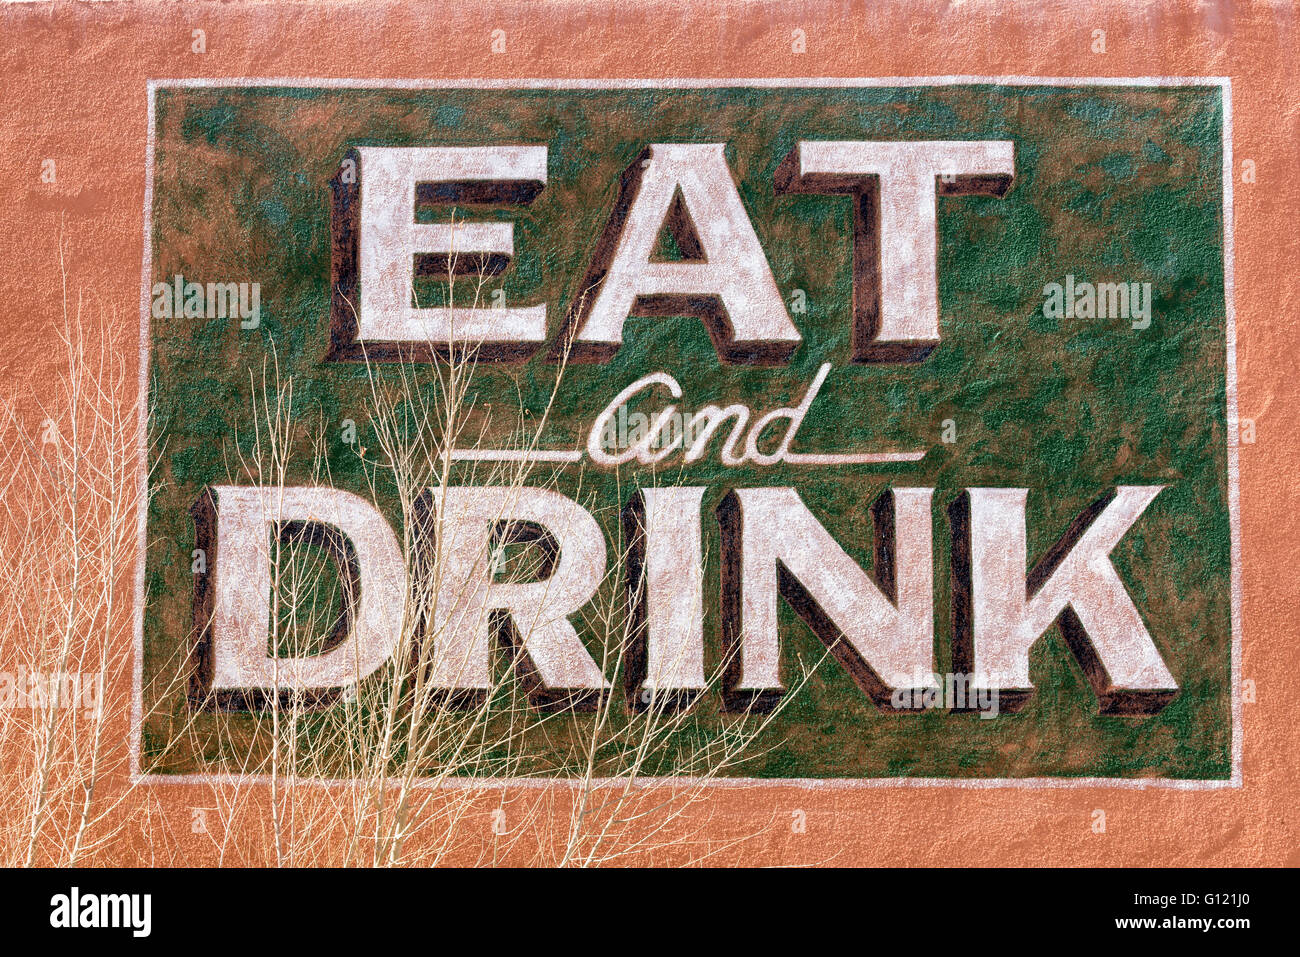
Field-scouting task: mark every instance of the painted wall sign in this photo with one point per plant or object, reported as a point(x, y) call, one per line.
point(895, 420)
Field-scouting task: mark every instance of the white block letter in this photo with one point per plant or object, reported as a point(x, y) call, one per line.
point(665, 661)
point(895, 226)
point(240, 529)
point(467, 525)
point(880, 627)
point(1000, 611)
point(725, 278)
point(379, 248)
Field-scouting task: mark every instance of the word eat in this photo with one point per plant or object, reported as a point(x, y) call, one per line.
point(687, 188)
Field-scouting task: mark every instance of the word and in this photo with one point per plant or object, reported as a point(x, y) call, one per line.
point(655, 438)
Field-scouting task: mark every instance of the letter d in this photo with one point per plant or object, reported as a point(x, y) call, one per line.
point(240, 528)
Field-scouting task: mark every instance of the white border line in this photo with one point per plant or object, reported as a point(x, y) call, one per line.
point(136, 730)
point(1234, 493)
point(345, 83)
point(562, 456)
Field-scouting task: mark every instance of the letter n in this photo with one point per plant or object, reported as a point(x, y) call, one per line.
point(880, 626)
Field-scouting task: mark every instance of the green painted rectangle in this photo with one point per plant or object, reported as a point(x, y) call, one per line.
point(1112, 182)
